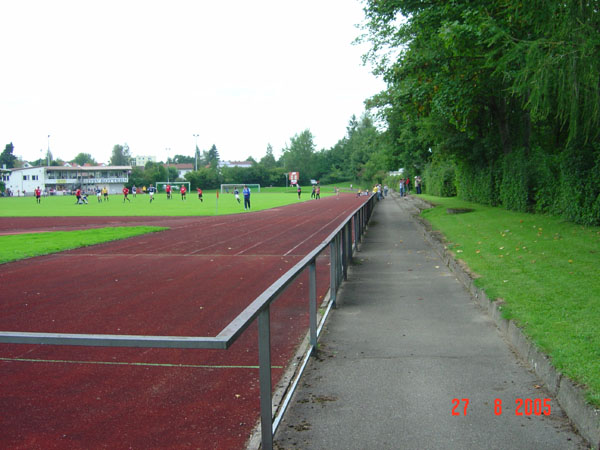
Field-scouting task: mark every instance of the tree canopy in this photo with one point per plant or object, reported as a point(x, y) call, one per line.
point(505, 91)
point(121, 155)
point(7, 158)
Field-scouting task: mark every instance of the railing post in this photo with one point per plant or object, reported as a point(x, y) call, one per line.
point(356, 231)
point(349, 245)
point(312, 286)
point(332, 273)
point(344, 237)
point(264, 368)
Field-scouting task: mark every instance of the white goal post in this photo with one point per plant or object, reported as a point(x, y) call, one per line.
point(229, 187)
point(161, 186)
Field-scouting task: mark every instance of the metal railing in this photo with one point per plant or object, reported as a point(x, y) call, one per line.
point(341, 243)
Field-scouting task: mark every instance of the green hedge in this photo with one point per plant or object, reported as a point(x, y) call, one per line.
point(439, 179)
point(565, 184)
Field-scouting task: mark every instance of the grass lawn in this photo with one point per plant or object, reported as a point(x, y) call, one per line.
point(545, 269)
point(161, 206)
point(27, 245)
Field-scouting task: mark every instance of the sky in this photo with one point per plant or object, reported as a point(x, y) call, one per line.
point(152, 74)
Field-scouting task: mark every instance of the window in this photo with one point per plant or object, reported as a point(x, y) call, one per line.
point(25, 177)
point(34, 177)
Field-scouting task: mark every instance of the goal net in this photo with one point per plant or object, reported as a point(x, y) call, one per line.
point(229, 188)
point(161, 186)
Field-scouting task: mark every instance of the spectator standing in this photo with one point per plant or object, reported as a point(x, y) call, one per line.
point(312, 194)
point(299, 191)
point(246, 193)
point(318, 193)
point(401, 187)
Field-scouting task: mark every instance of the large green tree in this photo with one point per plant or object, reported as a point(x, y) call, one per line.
point(300, 156)
point(7, 158)
point(84, 158)
point(121, 155)
point(505, 91)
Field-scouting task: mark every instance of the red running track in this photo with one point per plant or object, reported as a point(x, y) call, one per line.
point(191, 280)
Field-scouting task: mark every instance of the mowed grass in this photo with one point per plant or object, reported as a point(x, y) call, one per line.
point(26, 245)
point(545, 269)
point(57, 206)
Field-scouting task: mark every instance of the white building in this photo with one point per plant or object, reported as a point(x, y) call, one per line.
point(182, 168)
point(235, 164)
point(142, 160)
point(63, 180)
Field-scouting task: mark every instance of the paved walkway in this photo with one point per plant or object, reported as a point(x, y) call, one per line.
point(405, 342)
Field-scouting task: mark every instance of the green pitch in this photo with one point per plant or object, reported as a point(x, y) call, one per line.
point(65, 206)
point(27, 245)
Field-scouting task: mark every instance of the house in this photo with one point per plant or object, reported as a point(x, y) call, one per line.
point(64, 179)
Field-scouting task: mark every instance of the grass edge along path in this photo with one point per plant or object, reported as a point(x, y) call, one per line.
point(543, 268)
point(14, 247)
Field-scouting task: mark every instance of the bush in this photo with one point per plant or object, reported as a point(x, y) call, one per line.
point(439, 179)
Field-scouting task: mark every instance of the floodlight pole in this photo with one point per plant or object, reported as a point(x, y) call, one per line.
point(196, 153)
point(168, 149)
point(48, 155)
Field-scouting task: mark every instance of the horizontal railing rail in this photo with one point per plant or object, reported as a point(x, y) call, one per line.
point(340, 243)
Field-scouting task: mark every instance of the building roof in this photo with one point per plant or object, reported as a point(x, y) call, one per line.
point(75, 168)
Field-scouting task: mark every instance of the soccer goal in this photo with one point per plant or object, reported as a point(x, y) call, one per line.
point(161, 186)
point(231, 187)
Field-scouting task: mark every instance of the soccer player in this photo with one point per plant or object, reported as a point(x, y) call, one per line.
point(200, 194)
point(168, 189)
point(151, 190)
point(182, 191)
point(125, 194)
point(78, 195)
point(236, 193)
point(38, 195)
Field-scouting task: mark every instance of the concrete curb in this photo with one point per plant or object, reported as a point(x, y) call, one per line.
point(570, 396)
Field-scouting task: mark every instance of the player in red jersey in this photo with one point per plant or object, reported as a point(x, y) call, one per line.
point(125, 194)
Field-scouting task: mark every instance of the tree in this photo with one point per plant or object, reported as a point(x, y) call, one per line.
point(299, 156)
point(7, 158)
point(181, 159)
point(120, 155)
point(268, 161)
point(83, 158)
point(503, 90)
point(212, 157)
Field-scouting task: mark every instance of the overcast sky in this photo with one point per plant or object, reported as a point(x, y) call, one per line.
point(241, 74)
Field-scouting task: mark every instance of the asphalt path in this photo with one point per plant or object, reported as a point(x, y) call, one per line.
point(410, 361)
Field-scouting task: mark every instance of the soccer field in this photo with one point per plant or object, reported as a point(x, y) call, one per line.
point(65, 206)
